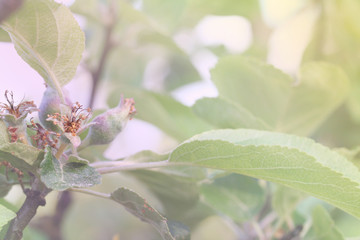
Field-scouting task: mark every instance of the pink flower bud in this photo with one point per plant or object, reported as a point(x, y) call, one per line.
point(105, 127)
point(50, 104)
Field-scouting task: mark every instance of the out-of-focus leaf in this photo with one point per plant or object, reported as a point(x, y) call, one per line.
point(164, 112)
point(138, 206)
point(4, 186)
point(126, 67)
point(74, 173)
point(91, 9)
point(146, 156)
point(348, 225)
point(47, 36)
point(293, 161)
point(197, 9)
point(171, 185)
point(5, 215)
point(223, 113)
point(21, 156)
point(270, 95)
point(285, 199)
point(166, 13)
point(139, 37)
point(335, 39)
point(236, 196)
point(178, 69)
point(339, 130)
point(31, 234)
point(323, 227)
point(172, 190)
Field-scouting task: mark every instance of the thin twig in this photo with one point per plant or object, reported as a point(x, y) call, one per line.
point(268, 219)
point(258, 230)
point(267, 205)
point(91, 192)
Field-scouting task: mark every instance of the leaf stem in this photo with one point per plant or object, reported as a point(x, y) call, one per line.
point(60, 150)
point(116, 166)
point(91, 192)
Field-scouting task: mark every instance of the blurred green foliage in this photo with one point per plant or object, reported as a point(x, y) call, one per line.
point(148, 63)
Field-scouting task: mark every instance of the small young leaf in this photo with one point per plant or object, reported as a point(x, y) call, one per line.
point(4, 135)
point(172, 117)
point(138, 206)
point(74, 173)
point(47, 36)
point(21, 156)
point(5, 215)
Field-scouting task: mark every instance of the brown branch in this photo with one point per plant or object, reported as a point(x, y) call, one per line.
point(51, 225)
point(35, 197)
point(8, 7)
point(108, 45)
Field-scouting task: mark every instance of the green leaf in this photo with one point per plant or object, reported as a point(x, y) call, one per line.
point(270, 95)
point(138, 206)
point(163, 111)
point(47, 36)
point(74, 173)
point(323, 227)
point(21, 156)
point(5, 216)
point(4, 135)
point(293, 161)
point(236, 196)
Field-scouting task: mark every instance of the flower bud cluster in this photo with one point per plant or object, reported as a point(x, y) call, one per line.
point(61, 124)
